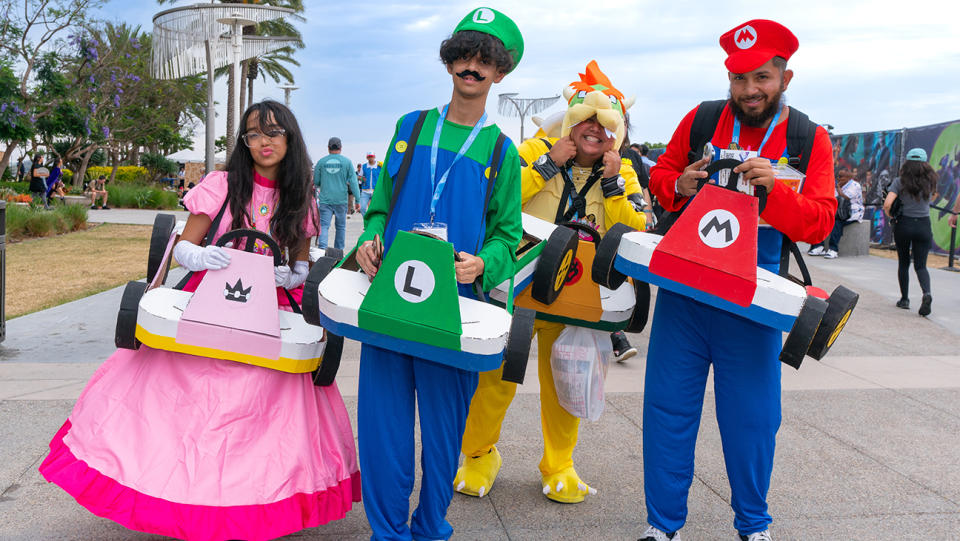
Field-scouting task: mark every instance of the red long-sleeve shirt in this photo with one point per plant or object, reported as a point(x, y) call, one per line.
point(806, 216)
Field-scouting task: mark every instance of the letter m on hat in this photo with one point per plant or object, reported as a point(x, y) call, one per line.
point(745, 37)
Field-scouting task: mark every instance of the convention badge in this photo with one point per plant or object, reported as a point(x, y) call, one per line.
point(436, 229)
point(401, 146)
point(741, 156)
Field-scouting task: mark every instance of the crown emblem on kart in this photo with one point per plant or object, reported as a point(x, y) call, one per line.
point(236, 291)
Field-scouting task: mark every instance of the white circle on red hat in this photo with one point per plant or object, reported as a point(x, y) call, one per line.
point(745, 37)
point(483, 16)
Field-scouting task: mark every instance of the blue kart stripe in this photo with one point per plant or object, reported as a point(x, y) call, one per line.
point(763, 316)
point(458, 359)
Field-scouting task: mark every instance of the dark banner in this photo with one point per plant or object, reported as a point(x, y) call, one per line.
point(873, 157)
point(942, 143)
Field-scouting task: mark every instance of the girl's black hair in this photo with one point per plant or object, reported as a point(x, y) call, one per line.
point(918, 179)
point(468, 43)
point(294, 179)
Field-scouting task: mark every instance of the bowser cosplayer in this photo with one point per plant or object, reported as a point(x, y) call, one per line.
point(578, 181)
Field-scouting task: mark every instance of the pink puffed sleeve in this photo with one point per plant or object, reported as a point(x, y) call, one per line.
point(208, 195)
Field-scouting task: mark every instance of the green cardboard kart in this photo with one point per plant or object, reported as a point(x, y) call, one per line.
point(413, 306)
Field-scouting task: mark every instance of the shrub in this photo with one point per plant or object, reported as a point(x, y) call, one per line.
point(125, 173)
point(18, 187)
point(24, 222)
point(67, 176)
point(158, 165)
point(141, 196)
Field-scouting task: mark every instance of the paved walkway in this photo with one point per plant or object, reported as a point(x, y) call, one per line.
point(869, 446)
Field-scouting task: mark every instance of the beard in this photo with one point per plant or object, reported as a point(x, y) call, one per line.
point(759, 119)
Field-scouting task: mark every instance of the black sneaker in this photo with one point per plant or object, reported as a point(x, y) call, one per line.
point(93, 207)
point(903, 303)
point(104, 208)
point(622, 350)
point(925, 305)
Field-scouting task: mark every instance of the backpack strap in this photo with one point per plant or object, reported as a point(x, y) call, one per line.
point(496, 160)
point(405, 164)
point(800, 135)
point(704, 125)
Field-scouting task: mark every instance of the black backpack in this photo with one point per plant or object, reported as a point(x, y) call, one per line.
point(800, 135)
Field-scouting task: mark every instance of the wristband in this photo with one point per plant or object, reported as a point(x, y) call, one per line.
point(613, 186)
point(545, 166)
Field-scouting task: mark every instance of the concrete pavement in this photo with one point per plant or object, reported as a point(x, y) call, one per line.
point(869, 446)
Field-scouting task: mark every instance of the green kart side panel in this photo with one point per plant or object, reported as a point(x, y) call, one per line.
point(415, 293)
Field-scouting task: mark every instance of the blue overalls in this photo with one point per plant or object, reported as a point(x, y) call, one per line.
point(393, 383)
point(686, 337)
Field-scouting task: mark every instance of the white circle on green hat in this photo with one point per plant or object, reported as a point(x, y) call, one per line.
point(483, 16)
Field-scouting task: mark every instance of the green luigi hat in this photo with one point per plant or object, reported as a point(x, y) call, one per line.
point(498, 25)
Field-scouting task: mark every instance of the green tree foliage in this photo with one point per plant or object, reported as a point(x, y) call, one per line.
point(15, 124)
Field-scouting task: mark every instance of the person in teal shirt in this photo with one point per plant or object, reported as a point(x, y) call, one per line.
point(451, 197)
point(333, 177)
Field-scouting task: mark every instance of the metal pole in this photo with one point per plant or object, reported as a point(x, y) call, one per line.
point(235, 88)
point(211, 133)
point(953, 244)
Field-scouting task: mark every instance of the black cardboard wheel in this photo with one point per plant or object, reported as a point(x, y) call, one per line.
point(603, 270)
point(517, 352)
point(163, 226)
point(839, 307)
point(555, 259)
point(126, 331)
point(324, 375)
point(310, 305)
point(803, 331)
point(335, 253)
point(641, 310)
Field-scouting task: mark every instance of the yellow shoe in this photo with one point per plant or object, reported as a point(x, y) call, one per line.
point(476, 476)
point(566, 486)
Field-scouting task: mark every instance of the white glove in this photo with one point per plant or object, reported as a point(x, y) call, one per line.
point(288, 278)
point(194, 258)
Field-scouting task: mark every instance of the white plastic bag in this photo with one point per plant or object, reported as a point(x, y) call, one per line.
point(579, 360)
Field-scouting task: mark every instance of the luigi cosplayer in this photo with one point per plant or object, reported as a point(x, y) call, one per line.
point(461, 182)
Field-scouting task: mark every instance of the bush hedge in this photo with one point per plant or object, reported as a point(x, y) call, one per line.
point(125, 173)
point(141, 196)
point(18, 187)
point(30, 221)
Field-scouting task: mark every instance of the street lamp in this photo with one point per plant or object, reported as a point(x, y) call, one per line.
point(511, 105)
point(287, 89)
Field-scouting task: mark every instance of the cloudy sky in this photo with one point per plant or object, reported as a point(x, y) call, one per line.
point(861, 65)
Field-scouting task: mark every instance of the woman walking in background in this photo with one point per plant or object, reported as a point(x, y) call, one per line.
point(913, 190)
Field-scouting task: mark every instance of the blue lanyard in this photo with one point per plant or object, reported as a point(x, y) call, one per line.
point(438, 186)
point(736, 131)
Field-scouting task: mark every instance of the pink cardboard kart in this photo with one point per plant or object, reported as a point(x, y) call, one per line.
point(232, 315)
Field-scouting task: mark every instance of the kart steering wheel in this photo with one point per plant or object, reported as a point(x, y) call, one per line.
point(584, 228)
point(251, 236)
point(721, 165)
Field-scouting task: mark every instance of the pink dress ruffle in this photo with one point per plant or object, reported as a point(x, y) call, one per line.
point(200, 448)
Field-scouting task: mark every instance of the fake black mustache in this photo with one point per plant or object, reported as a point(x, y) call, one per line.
point(475, 75)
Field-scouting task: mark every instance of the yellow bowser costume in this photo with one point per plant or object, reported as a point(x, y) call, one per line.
point(544, 195)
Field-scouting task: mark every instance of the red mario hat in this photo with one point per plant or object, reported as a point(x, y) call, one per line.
point(751, 44)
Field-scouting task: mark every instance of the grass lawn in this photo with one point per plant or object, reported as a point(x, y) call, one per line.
point(49, 271)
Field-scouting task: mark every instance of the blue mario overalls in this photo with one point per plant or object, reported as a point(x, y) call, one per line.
point(686, 338)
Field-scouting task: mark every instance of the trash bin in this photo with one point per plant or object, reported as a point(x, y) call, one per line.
point(3, 269)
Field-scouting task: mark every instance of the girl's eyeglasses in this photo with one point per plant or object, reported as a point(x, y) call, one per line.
point(256, 139)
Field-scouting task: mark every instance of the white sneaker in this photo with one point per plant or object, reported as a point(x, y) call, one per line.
point(653, 534)
point(831, 254)
point(816, 250)
point(759, 536)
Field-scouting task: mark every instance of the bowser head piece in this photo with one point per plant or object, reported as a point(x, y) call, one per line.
point(594, 95)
